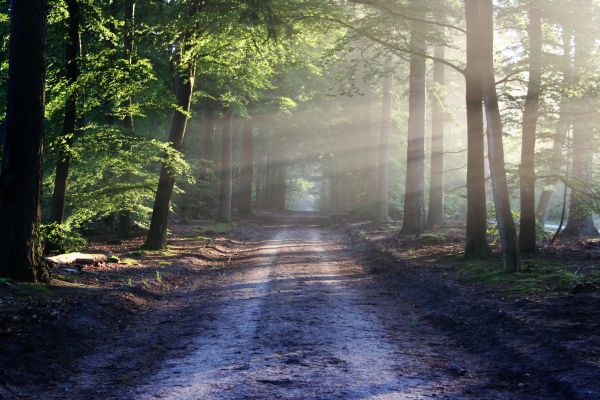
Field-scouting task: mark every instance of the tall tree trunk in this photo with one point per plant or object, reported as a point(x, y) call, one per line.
point(580, 223)
point(125, 216)
point(384, 144)
point(226, 187)
point(269, 180)
point(184, 87)
point(245, 204)
point(504, 218)
point(21, 174)
point(476, 244)
point(279, 185)
point(435, 215)
point(414, 198)
point(209, 133)
point(73, 45)
point(527, 227)
point(562, 128)
point(369, 154)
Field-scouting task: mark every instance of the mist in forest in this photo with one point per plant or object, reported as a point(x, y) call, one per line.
point(299, 199)
point(476, 113)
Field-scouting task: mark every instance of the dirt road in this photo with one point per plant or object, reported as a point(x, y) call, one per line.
point(297, 316)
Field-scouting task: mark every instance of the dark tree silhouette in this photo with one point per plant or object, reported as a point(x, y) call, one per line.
point(21, 173)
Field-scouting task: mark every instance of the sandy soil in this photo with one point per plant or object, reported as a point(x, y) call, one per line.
point(295, 316)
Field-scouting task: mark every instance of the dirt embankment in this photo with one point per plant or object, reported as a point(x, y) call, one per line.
point(546, 341)
point(45, 329)
point(286, 310)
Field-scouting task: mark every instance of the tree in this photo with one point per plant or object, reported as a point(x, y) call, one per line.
point(562, 128)
point(527, 224)
point(580, 222)
point(125, 216)
point(435, 215)
point(21, 172)
point(414, 198)
point(184, 87)
point(226, 170)
point(476, 243)
point(209, 132)
point(384, 143)
point(247, 173)
point(506, 225)
point(72, 50)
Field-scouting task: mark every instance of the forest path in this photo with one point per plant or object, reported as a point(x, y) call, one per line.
point(296, 317)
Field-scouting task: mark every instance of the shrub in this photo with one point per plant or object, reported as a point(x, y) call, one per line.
point(61, 238)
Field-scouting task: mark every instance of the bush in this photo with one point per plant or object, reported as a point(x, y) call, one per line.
point(61, 238)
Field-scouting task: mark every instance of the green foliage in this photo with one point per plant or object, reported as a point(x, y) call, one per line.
point(61, 238)
point(113, 172)
point(538, 275)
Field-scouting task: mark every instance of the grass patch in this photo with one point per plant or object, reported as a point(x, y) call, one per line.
point(216, 228)
point(167, 252)
point(537, 276)
point(5, 281)
point(432, 238)
point(31, 289)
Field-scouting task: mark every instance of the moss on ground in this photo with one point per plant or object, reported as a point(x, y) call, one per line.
point(215, 228)
point(537, 276)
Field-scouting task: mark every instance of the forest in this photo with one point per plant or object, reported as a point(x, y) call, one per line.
point(299, 199)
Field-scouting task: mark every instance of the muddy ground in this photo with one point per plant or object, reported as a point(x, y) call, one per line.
point(294, 309)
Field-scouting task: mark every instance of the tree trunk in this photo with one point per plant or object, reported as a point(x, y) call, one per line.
point(269, 181)
point(209, 133)
point(279, 185)
point(184, 87)
point(226, 187)
point(125, 216)
point(476, 244)
point(580, 223)
point(384, 144)
point(435, 216)
point(370, 154)
point(21, 174)
point(245, 203)
point(72, 48)
point(527, 227)
point(414, 198)
point(504, 218)
point(562, 129)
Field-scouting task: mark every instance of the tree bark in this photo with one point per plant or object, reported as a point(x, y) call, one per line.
point(562, 129)
point(184, 87)
point(435, 215)
point(370, 154)
point(580, 223)
point(279, 185)
point(384, 144)
point(245, 203)
point(226, 187)
point(527, 224)
point(73, 45)
point(209, 133)
point(414, 198)
point(125, 216)
point(504, 218)
point(476, 244)
point(21, 173)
